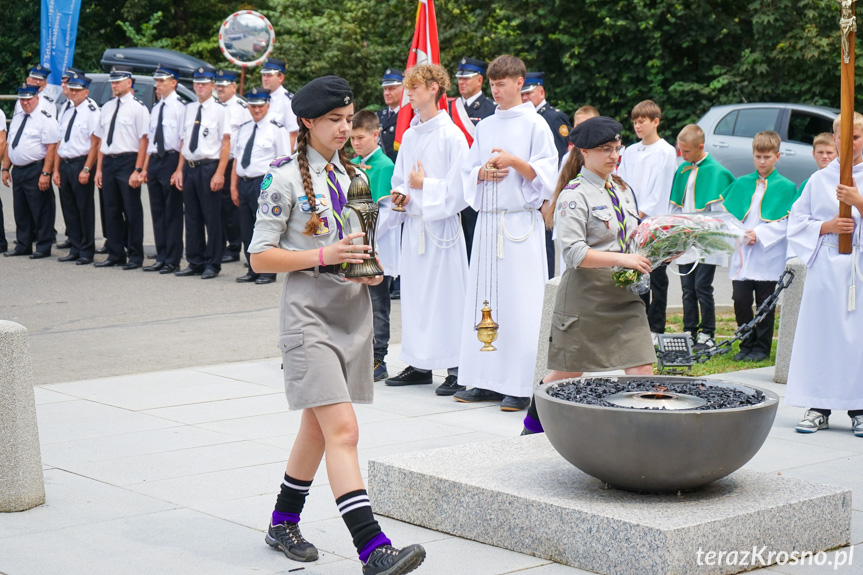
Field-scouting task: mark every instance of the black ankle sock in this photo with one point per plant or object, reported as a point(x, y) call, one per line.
point(356, 511)
point(290, 501)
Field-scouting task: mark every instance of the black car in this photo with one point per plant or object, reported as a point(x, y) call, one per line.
point(145, 90)
point(146, 60)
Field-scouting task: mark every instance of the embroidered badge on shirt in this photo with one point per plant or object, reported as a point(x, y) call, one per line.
point(572, 205)
point(323, 227)
point(263, 195)
point(563, 130)
point(265, 183)
point(562, 212)
point(265, 208)
point(276, 197)
point(597, 208)
point(278, 162)
point(277, 210)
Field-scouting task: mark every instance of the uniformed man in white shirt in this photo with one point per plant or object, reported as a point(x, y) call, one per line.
point(259, 142)
point(226, 89)
point(4, 245)
point(30, 157)
point(123, 133)
point(76, 159)
point(206, 148)
point(38, 76)
point(165, 135)
point(272, 76)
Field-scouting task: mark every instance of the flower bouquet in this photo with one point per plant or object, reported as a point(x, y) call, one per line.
point(664, 238)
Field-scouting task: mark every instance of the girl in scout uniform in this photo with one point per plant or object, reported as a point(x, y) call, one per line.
point(596, 325)
point(325, 325)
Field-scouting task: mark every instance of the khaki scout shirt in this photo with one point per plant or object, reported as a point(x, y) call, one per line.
point(284, 209)
point(585, 219)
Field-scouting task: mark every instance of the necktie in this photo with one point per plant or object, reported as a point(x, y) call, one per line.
point(69, 127)
point(247, 153)
point(336, 196)
point(20, 131)
point(113, 123)
point(193, 144)
point(160, 134)
point(621, 217)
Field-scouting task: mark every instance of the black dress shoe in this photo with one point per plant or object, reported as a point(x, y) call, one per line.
point(513, 403)
point(168, 269)
point(449, 386)
point(131, 266)
point(102, 250)
point(155, 267)
point(209, 273)
point(69, 258)
point(410, 376)
point(84, 261)
point(228, 258)
point(189, 271)
point(248, 278)
point(478, 394)
point(107, 264)
point(39, 255)
point(265, 280)
point(65, 245)
point(13, 253)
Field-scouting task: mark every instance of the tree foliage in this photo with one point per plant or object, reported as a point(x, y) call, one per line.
point(687, 56)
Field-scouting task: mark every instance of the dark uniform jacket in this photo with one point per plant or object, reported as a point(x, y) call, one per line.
point(388, 131)
point(560, 127)
point(482, 108)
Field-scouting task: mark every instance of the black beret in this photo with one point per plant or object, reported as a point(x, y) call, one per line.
point(320, 96)
point(595, 132)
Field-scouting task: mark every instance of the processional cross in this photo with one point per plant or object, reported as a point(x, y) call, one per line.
point(848, 27)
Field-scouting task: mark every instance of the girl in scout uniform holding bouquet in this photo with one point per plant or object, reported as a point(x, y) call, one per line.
point(596, 325)
point(325, 325)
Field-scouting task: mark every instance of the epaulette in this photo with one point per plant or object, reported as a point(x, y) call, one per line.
point(48, 98)
point(91, 104)
point(277, 123)
point(281, 161)
point(47, 113)
point(290, 94)
point(242, 103)
point(219, 103)
point(573, 183)
point(139, 101)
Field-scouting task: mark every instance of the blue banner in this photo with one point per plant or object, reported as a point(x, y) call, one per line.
point(59, 31)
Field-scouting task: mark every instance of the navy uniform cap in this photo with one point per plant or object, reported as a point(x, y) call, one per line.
point(120, 73)
point(257, 96)
point(39, 71)
point(392, 77)
point(531, 81)
point(78, 81)
point(164, 72)
point(469, 67)
point(27, 91)
point(320, 96)
point(273, 66)
point(67, 73)
point(595, 132)
point(225, 77)
point(202, 76)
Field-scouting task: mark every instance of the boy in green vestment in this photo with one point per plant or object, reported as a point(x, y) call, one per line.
point(697, 186)
point(379, 170)
point(760, 203)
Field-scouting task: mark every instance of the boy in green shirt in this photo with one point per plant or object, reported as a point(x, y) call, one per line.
point(379, 170)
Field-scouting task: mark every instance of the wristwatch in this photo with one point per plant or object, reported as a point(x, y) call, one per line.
point(86, 170)
point(139, 170)
point(46, 174)
point(4, 169)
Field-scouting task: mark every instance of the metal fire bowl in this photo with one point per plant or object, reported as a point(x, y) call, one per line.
point(656, 451)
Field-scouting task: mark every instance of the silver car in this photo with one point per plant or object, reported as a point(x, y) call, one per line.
point(729, 130)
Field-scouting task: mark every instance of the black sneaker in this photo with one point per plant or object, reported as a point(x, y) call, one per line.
point(449, 386)
point(410, 376)
point(477, 394)
point(380, 370)
point(513, 403)
point(387, 560)
point(287, 538)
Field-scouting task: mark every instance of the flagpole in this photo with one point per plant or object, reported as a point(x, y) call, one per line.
point(848, 26)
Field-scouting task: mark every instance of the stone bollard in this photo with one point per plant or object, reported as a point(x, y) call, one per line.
point(545, 329)
point(791, 298)
point(22, 485)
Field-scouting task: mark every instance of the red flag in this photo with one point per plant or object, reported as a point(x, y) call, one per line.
point(424, 50)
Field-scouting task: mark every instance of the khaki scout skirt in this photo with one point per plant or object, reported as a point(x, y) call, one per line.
point(596, 325)
point(326, 340)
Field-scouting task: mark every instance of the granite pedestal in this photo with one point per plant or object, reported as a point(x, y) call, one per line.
point(545, 329)
point(520, 494)
point(791, 299)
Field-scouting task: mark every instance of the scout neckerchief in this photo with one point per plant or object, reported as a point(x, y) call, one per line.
point(337, 197)
point(621, 217)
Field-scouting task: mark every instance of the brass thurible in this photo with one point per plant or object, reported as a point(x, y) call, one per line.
point(486, 329)
point(361, 215)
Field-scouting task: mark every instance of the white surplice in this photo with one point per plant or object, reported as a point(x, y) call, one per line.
point(433, 252)
point(826, 368)
point(765, 259)
point(518, 247)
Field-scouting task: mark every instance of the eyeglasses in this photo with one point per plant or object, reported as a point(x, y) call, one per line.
point(608, 150)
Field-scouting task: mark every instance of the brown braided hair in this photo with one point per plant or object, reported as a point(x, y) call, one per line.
point(308, 188)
